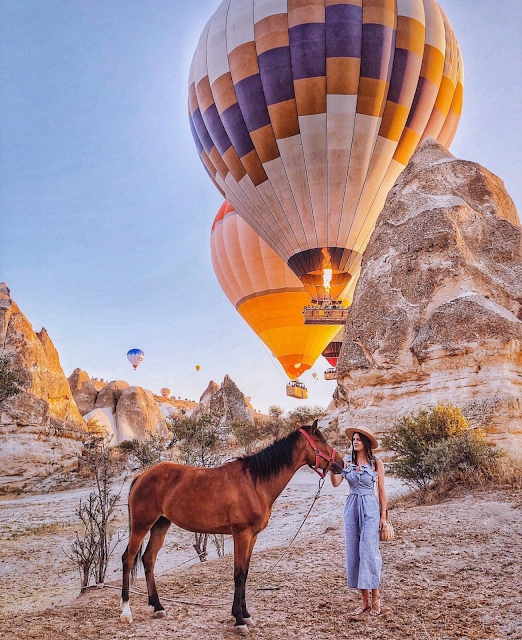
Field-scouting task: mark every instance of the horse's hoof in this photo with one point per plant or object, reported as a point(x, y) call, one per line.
point(160, 614)
point(126, 618)
point(250, 622)
point(241, 629)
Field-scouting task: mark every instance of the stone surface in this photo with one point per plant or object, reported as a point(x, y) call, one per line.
point(437, 311)
point(84, 390)
point(41, 430)
point(137, 414)
point(225, 402)
point(107, 419)
point(109, 395)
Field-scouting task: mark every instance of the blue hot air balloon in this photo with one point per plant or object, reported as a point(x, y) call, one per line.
point(135, 357)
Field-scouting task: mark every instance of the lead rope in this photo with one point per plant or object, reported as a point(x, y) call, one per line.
point(263, 573)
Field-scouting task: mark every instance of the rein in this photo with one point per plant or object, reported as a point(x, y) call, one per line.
point(319, 454)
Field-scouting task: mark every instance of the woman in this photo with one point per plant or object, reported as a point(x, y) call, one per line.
point(364, 516)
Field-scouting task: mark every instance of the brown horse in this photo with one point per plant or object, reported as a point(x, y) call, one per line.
point(235, 498)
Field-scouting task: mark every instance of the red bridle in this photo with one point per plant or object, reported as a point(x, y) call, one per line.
point(319, 454)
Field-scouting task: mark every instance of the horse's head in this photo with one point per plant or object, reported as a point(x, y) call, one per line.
point(319, 454)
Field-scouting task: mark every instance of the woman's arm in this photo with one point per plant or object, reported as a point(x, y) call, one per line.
point(383, 502)
point(336, 478)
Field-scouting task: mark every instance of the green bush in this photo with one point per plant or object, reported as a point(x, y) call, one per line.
point(246, 433)
point(439, 444)
point(144, 454)
point(12, 380)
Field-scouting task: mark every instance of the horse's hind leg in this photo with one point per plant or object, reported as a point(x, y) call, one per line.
point(135, 540)
point(157, 537)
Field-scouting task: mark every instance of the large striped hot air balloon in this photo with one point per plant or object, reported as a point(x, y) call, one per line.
point(304, 113)
point(266, 293)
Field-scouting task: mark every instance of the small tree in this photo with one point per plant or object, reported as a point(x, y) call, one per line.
point(146, 453)
point(95, 544)
point(437, 442)
point(304, 415)
point(201, 443)
point(246, 433)
point(12, 380)
point(275, 424)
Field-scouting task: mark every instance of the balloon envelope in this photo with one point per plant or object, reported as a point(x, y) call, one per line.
point(165, 392)
point(332, 350)
point(198, 367)
point(266, 293)
point(135, 357)
point(304, 113)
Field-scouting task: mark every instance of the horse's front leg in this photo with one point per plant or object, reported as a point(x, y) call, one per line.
point(247, 617)
point(242, 541)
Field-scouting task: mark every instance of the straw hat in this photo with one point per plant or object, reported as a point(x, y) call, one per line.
point(366, 431)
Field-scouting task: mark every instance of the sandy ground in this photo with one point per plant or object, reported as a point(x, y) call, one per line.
point(450, 573)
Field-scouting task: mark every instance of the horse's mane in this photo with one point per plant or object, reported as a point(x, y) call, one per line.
point(267, 463)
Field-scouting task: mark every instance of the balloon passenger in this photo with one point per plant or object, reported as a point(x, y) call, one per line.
point(364, 517)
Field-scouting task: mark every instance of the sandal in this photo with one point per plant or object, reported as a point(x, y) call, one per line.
point(359, 611)
point(376, 607)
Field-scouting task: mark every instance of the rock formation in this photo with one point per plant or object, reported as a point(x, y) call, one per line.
point(110, 394)
point(83, 390)
point(41, 430)
point(137, 414)
point(437, 311)
point(224, 403)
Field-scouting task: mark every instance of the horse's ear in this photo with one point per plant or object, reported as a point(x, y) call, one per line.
point(314, 426)
point(297, 425)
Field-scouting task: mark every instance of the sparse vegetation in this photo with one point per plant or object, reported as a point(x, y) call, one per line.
point(97, 538)
point(12, 380)
point(145, 453)
point(439, 446)
point(246, 433)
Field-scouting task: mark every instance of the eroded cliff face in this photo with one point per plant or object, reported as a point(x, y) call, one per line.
point(41, 430)
point(225, 402)
point(437, 311)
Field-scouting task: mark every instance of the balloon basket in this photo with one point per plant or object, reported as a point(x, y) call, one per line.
point(330, 374)
point(325, 312)
point(297, 390)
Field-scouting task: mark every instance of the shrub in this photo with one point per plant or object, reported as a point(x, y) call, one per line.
point(95, 429)
point(246, 433)
point(12, 380)
point(146, 453)
point(438, 443)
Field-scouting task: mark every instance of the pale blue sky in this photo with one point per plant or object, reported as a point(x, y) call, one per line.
point(105, 207)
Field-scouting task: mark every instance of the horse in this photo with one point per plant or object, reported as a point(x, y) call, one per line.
point(235, 498)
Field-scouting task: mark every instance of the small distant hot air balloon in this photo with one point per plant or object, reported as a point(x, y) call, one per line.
point(314, 375)
point(198, 367)
point(165, 392)
point(135, 357)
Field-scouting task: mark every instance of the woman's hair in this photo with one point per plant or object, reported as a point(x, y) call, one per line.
point(367, 447)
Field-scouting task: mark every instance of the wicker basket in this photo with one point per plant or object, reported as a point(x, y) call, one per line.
point(387, 534)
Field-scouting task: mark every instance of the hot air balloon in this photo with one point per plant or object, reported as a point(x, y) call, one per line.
point(266, 293)
point(332, 350)
point(198, 367)
point(305, 112)
point(165, 392)
point(135, 357)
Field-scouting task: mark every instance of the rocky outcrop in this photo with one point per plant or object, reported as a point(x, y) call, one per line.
point(110, 394)
point(137, 415)
point(437, 311)
point(41, 429)
point(225, 402)
point(84, 391)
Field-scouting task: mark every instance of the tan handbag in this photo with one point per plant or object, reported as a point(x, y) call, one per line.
point(386, 534)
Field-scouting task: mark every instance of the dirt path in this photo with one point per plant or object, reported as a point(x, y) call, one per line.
point(451, 573)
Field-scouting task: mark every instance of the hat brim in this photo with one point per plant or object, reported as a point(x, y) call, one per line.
point(350, 431)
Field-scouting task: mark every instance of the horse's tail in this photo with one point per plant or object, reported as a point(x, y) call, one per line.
point(137, 558)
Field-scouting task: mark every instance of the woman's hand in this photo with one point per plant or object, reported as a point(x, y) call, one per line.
point(382, 523)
